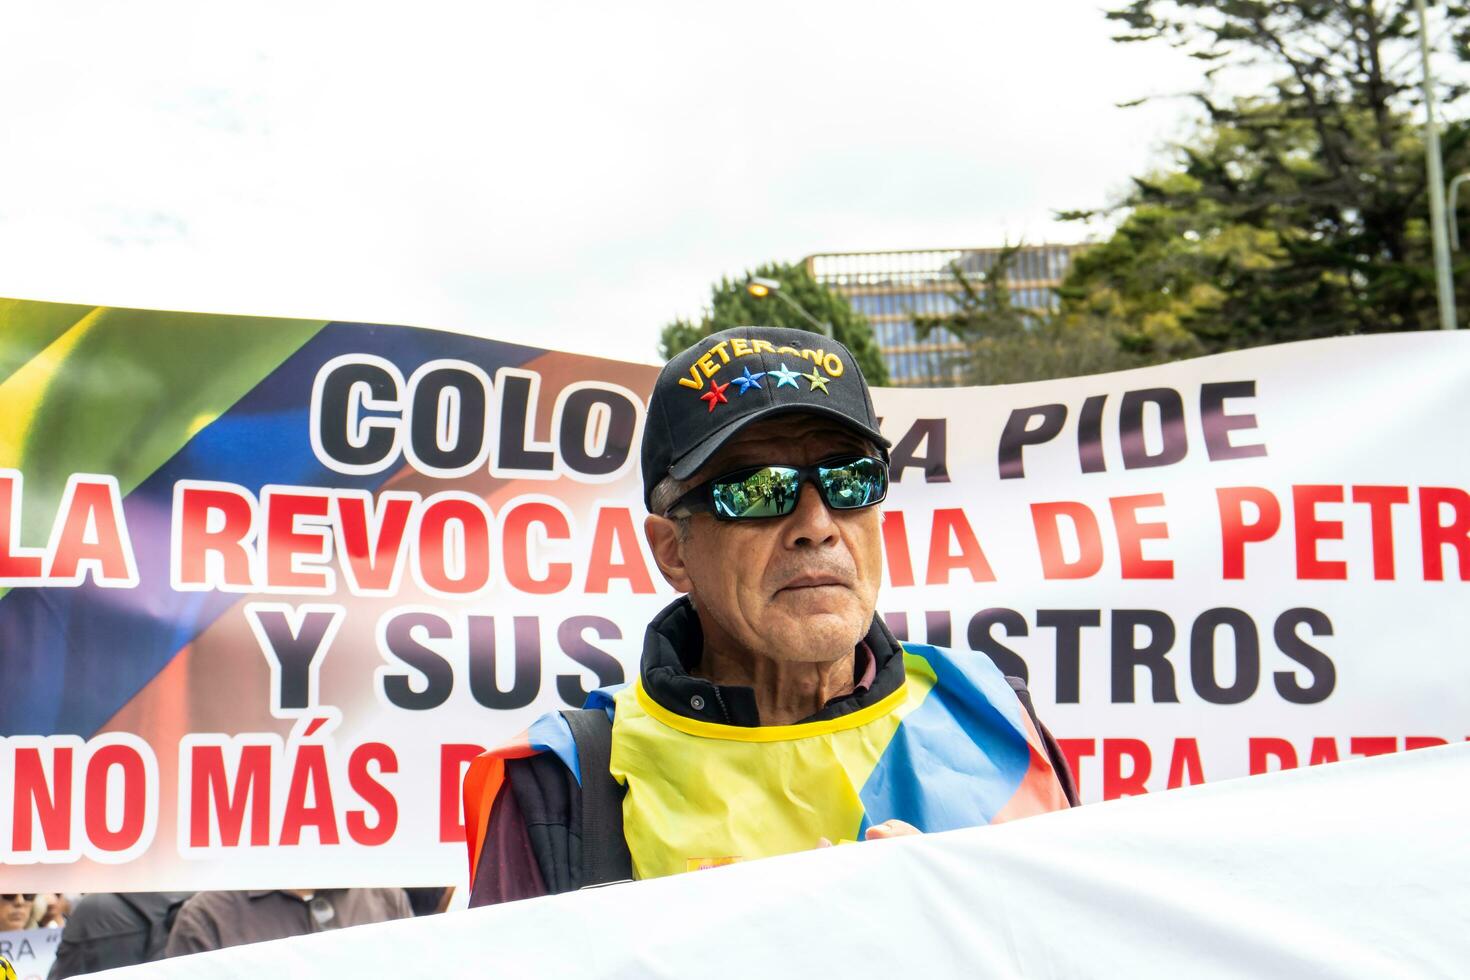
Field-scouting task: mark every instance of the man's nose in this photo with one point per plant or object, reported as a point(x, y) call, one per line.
point(811, 524)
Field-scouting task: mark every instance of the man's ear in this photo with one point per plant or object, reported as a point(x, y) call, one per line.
point(662, 535)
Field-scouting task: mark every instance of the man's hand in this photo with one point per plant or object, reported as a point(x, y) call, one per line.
point(891, 828)
point(882, 831)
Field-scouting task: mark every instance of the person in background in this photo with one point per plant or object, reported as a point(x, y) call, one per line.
point(429, 901)
point(17, 910)
point(112, 929)
point(54, 908)
point(216, 920)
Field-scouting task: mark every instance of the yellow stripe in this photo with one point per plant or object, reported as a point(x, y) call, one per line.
point(23, 391)
point(769, 733)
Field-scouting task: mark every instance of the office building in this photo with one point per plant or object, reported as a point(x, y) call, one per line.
point(891, 287)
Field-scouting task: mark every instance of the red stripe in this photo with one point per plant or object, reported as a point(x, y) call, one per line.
point(1040, 790)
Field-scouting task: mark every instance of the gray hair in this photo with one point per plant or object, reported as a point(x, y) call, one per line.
point(666, 493)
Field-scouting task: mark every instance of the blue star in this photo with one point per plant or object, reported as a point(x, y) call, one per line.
point(749, 381)
point(785, 377)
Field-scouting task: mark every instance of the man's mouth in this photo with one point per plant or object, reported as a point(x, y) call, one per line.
point(813, 581)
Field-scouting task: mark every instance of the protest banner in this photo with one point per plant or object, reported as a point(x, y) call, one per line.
point(272, 583)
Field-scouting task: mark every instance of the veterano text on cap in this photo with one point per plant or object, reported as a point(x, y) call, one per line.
point(708, 393)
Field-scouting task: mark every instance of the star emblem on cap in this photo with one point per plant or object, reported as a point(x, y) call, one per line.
point(817, 380)
point(715, 395)
point(786, 377)
point(748, 381)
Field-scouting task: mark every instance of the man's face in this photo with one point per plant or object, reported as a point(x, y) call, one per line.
point(15, 911)
point(799, 588)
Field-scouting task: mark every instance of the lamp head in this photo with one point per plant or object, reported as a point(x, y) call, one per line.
point(760, 287)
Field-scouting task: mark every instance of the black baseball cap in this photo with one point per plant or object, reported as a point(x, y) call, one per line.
point(708, 393)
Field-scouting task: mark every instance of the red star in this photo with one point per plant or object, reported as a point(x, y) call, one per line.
point(715, 395)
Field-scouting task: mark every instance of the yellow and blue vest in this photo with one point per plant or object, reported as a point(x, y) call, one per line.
point(950, 747)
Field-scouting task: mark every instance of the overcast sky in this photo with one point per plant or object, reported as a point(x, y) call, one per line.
point(568, 175)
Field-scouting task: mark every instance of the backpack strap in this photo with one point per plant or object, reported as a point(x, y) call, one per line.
point(605, 857)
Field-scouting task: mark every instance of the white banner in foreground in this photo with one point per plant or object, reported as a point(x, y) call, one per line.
point(1352, 870)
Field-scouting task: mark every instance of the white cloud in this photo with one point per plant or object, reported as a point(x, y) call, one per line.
point(567, 175)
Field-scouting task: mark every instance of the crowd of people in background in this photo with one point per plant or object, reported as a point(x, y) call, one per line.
point(104, 930)
point(28, 910)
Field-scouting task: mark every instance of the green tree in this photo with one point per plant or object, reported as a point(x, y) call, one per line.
point(1005, 343)
point(1300, 214)
point(732, 306)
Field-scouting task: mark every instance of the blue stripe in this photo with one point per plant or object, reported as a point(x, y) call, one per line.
point(603, 698)
point(551, 733)
point(958, 758)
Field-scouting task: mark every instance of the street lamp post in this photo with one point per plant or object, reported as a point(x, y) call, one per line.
point(1437, 221)
point(761, 288)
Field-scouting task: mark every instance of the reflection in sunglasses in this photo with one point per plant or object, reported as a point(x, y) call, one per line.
point(773, 491)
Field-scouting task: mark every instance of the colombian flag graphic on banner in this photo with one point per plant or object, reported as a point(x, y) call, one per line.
point(215, 527)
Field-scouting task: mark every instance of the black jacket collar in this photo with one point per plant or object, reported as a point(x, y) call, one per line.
point(674, 644)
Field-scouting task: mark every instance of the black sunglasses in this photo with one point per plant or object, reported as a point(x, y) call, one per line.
point(12, 896)
point(753, 493)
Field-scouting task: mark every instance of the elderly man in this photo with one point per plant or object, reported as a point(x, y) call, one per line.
point(773, 711)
